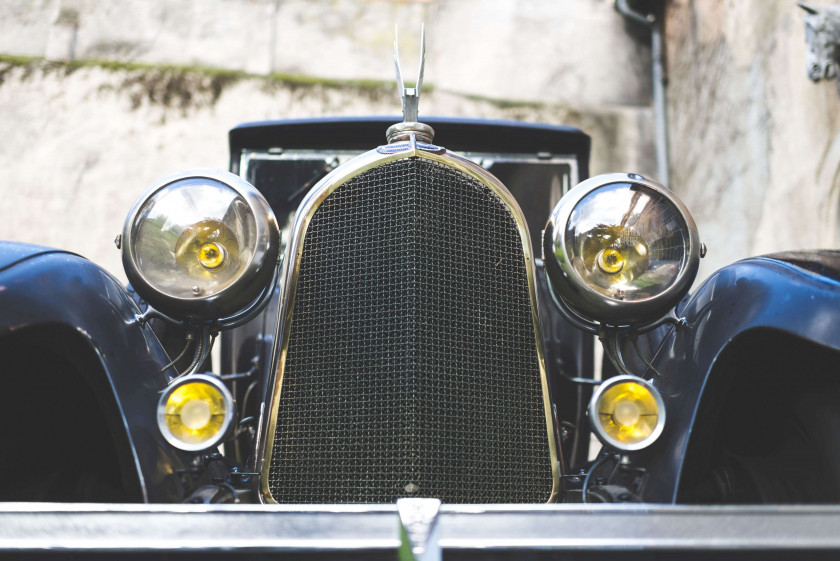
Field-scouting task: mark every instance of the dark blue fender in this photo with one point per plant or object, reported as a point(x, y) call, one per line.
point(44, 292)
point(801, 300)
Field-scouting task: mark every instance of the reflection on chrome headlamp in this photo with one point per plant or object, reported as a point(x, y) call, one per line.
point(201, 245)
point(620, 249)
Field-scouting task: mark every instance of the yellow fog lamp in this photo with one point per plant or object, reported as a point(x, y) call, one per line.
point(195, 412)
point(620, 249)
point(627, 413)
point(201, 245)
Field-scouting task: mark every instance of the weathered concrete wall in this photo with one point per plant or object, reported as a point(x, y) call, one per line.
point(574, 51)
point(755, 147)
point(81, 144)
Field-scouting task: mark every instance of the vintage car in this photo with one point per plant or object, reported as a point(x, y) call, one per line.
point(411, 310)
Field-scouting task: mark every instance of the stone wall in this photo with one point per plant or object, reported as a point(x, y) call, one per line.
point(755, 148)
point(573, 52)
point(82, 139)
point(81, 144)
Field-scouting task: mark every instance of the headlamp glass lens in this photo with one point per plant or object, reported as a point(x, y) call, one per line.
point(627, 413)
point(194, 238)
point(195, 413)
point(627, 242)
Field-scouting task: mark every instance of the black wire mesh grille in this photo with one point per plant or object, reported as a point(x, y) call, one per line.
point(412, 368)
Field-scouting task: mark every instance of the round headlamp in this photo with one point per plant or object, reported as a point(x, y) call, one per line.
point(195, 412)
point(620, 249)
point(200, 245)
point(627, 413)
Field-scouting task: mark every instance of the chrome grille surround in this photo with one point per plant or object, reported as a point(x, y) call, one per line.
point(290, 277)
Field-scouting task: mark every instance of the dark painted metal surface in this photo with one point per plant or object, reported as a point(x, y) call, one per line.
point(501, 532)
point(823, 262)
point(760, 292)
point(365, 133)
point(569, 353)
point(44, 287)
point(13, 253)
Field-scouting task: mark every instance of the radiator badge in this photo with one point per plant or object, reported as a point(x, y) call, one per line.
point(405, 146)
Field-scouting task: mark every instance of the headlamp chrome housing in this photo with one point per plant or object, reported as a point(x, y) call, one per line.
point(620, 249)
point(201, 245)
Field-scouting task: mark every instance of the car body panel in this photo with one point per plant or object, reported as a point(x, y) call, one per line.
point(42, 287)
point(757, 293)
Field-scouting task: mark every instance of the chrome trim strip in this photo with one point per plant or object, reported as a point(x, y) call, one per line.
point(619, 531)
point(291, 269)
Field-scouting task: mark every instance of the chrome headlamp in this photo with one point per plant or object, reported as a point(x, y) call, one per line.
point(201, 245)
point(620, 249)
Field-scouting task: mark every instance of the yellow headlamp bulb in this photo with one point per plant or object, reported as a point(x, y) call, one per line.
point(206, 248)
point(212, 255)
point(610, 261)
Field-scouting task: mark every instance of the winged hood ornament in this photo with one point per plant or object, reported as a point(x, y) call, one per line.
point(410, 99)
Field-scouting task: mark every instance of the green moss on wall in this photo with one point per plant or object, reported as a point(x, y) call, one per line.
point(184, 87)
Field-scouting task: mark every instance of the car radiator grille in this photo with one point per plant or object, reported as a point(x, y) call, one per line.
point(412, 368)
